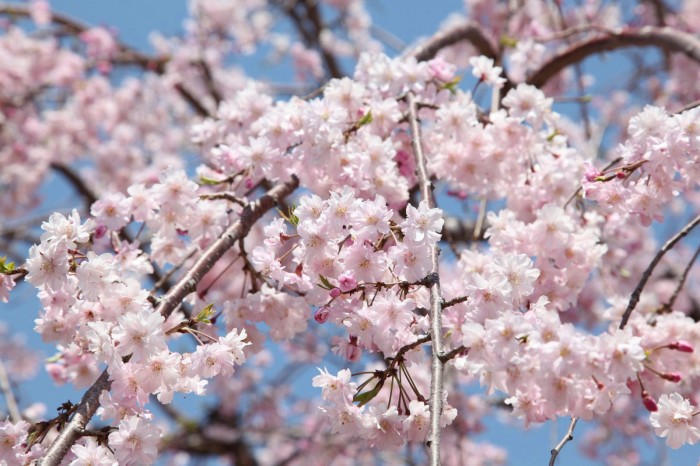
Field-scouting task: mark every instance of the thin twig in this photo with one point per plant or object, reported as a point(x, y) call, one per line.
point(567, 438)
point(426, 189)
point(9, 395)
point(455, 352)
point(684, 276)
point(634, 299)
point(454, 301)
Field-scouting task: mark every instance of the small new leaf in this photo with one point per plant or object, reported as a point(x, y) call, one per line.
point(208, 181)
point(364, 398)
point(325, 284)
point(365, 120)
point(205, 314)
point(6, 267)
point(289, 216)
point(452, 85)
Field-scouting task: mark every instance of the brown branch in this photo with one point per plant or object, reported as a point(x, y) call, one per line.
point(664, 38)
point(193, 101)
point(426, 189)
point(470, 32)
point(314, 16)
point(672, 300)
point(567, 438)
point(126, 55)
point(78, 183)
point(455, 352)
point(634, 299)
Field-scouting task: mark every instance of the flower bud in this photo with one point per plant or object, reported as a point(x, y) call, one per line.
point(674, 377)
point(650, 404)
point(100, 231)
point(335, 292)
point(321, 314)
point(682, 346)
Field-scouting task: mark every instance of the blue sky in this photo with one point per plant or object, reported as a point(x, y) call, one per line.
point(406, 19)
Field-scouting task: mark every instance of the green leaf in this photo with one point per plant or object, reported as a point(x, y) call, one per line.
point(6, 267)
point(452, 85)
point(55, 358)
point(205, 314)
point(325, 284)
point(366, 397)
point(208, 181)
point(508, 41)
point(365, 120)
point(289, 216)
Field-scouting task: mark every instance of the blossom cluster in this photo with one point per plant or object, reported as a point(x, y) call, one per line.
point(532, 295)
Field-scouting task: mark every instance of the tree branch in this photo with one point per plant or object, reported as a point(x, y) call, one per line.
point(73, 430)
point(634, 299)
point(567, 438)
point(426, 189)
point(249, 215)
point(9, 395)
point(185, 285)
point(470, 32)
point(681, 282)
point(665, 38)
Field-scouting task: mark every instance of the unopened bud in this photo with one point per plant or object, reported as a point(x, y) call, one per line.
point(321, 315)
point(650, 404)
point(674, 377)
point(335, 292)
point(682, 346)
point(100, 231)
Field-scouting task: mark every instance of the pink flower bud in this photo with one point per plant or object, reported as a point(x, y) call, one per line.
point(682, 346)
point(674, 377)
point(335, 292)
point(249, 183)
point(591, 172)
point(100, 231)
point(650, 404)
point(321, 315)
point(353, 353)
point(621, 175)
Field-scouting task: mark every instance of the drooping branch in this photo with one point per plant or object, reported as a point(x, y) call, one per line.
point(634, 299)
point(664, 38)
point(684, 276)
point(185, 285)
point(6, 389)
point(569, 436)
point(126, 55)
point(426, 189)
